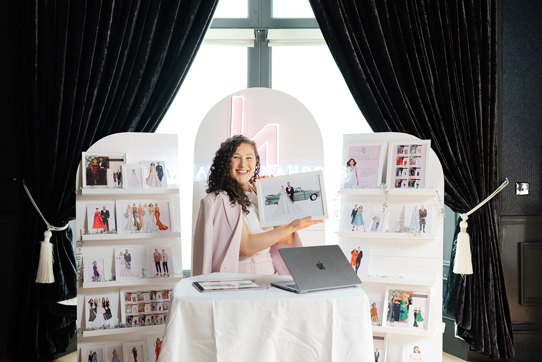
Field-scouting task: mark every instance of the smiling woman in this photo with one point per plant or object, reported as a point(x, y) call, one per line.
point(228, 236)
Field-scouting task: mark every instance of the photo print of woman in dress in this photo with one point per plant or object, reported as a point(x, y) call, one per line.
point(352, 179)
point(154, 174)
point(399, 302)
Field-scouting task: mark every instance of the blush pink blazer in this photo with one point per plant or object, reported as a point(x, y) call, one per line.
point(217, 238)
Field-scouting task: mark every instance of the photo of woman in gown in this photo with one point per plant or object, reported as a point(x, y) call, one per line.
point(152, 180)
point(107, 313)
point(125, 268)
point(115, 357)
point(415, 218)
point(416, 355)
point(134, 353)
point(152, 214)
point(135, 215)
point(134, 180)
point(130, 224)
point(403, 308)
point(374, 313)
point(286, 206)
point(147, 225)
point(161, 226)
point(353, 258)
point(96, 274)
point(93, 308)
point(98, 223)
point(352, 180)
point(358, 220)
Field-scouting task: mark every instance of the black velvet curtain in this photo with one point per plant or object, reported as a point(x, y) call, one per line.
point(430, 68)
point(89, 69)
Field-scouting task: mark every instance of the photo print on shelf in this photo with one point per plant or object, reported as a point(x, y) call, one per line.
point(282, 199)
point(159, 262)
point(92, 352)
point(363, 166)
point(417, 352)
point(376, 312)
point(362, 217)
point(128, 263)
point(101, 217)
point(154, 346)
point(407, 165)
point(134, 351)
point(154, 174)
point(94, 270)
point(145, 307)
point(143, 216)
point(101, 310)
point(359, 259)
point(133, 176)
point(402, 308)
point(379, 345)
point(418, 218)
point(102, 170)
point(113, 353)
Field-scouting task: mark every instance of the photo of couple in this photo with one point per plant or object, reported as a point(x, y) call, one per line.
point(362, 217)
point(418, 218)
point(154, 174)
point(101, 218)
point(128, 263)
point(96, 172)
point(282, 199)
point(159, 262)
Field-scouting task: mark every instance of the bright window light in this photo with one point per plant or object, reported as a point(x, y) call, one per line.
point(232, 9)
point(292, 9)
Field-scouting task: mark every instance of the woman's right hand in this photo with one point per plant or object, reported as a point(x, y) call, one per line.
point(303, 223)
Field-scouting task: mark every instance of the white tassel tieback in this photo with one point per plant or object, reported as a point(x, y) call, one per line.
point(463, 258)
point(45, 266)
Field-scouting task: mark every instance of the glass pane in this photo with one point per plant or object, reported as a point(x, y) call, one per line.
point(309, 73)
point(292, 9)
point(231, 9)
point(216, 72)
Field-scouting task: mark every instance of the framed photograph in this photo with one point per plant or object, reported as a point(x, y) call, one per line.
point(92, 352)
point(128, 263)
point(399, 307)
point(380, 344)
point(417, 352)
point(95, 170)
point(145, 307)
point(154, 346)
point(418, 218)
point(359, 259)
point(407, 165)
point(362, 217)
point(101, 310)
point(101, 217)
point(376, 312)
point(134, 351)
point(154, 174)
point(363, 165)
point(113, 353)
point(282, 199)
point(159, 262)
point(133, 176)
point(143, 216)
point(418, 311)
point(94, 270)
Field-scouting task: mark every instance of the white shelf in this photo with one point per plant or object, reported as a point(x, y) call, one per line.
point(130, 236)
point(392, 192)
point(404, 331)
point(113, 331)
point(398, 281)
point(133, 282)
point(128, 192)
point(376, 235)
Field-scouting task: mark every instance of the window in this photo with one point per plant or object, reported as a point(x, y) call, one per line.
point(262, 43)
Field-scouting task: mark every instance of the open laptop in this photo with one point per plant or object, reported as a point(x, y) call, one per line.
point(315, 268)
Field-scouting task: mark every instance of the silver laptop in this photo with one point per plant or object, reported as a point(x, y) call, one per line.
point(316, 268)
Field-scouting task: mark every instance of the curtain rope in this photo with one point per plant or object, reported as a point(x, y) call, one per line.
point(505, 183)
point(49, 226)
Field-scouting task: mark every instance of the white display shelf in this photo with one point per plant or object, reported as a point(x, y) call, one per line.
point(128, 192)
point(404, 331)
point(398, 281)
point(114, 331)
point(392, 192)
point(131, 236)
point(391, 236)
point(133, 282)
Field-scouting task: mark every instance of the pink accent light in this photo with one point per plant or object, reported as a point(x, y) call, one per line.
point(266, 137)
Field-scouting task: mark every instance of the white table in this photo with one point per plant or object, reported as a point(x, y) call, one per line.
point(267, 324)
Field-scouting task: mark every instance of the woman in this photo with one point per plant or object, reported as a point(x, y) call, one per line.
point(228, 235)
point(98, 223)
point(95, 271)
point(125, 269)
point(148, 226)
point(352, 180)
point(374, 313)
point(358, 220)
point(416, 355)
point(92, 310)
point(285, 206)
point(160, 225)
point(152, 180)
point(354, 256)
point(134, 353)
point(403, 309)
point(134, 180)
point(129, 215)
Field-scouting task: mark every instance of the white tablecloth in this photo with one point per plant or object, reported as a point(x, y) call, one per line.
point(266, 325)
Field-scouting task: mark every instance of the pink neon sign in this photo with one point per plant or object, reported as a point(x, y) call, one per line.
point(266, 137)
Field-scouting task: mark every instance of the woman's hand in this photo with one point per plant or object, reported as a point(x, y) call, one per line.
point(303, 223)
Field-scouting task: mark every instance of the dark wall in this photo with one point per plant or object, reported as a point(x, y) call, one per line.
point(521, 161)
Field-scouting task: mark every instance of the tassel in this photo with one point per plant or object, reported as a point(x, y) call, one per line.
point(45, 267)
point(463, 258)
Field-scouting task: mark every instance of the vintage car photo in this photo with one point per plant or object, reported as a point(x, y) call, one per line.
point(298, 195)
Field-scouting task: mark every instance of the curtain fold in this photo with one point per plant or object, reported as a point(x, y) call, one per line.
point(89, 69)
point(430, 68)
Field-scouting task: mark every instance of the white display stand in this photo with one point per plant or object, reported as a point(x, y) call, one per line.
point(407, 261)
point(137, 147)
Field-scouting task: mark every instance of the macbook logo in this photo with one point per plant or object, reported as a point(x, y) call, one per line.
point(320, 266)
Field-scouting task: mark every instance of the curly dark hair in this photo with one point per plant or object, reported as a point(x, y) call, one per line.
point(219, 175)
point(348, 162)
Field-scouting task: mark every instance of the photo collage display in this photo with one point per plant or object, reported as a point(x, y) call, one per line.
point(145, 308)
point(133, 351)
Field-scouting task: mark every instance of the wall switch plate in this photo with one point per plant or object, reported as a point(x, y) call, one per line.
point(522, 188)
